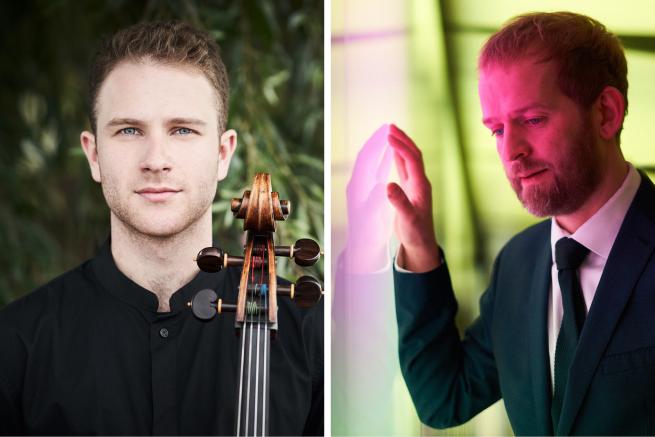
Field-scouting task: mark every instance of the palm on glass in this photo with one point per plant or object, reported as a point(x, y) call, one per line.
point(369, 213)
point(412, 200)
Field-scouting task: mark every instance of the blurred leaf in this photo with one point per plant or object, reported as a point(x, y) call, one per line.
point(271, 83)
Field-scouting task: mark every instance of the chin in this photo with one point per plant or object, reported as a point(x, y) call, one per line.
point(162, 222)
point(543, 204)
point(160, 227)
point(168, 228)
point(537, 201)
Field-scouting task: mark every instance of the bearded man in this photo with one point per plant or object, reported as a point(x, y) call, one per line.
point(565, 334)
point(111, 347)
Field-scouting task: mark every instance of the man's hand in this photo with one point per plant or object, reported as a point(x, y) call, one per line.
point(412, 200)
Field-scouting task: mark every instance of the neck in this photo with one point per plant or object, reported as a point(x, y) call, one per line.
point(161, 265)
point(611, 181)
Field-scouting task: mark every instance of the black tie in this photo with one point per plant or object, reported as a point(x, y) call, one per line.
point(569, 254)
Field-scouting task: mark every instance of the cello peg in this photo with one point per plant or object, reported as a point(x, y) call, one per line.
point(204, 304)
point(306, 252)
point(213, 259)
point(306, 292)
point(285, 206)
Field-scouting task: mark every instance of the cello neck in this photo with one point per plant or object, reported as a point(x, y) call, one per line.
point(254, 382)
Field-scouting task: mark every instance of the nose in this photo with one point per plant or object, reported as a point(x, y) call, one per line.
point(156, 157)
point(513, 145)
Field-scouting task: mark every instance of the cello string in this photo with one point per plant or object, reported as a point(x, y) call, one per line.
point(266, 350)
point(258, 284)
point(257, 378)
point(249, 327)
point(243, 348)
point(243, 357)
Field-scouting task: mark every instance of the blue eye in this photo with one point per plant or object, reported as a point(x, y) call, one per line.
point(129, 131)
point(497, 132)
point(534, 121)
point(183, 131)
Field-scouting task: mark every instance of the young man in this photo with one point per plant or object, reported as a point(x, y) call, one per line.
point(565, 332)
point(111, 347)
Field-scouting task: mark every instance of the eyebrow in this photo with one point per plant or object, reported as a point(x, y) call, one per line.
point(182, 120)
point(173, 121)
point(124, 121)
point(488, 120)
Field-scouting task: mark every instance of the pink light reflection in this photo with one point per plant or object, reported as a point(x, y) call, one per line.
point(364, 352)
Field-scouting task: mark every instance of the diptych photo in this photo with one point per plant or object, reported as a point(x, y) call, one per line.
point(327, 217)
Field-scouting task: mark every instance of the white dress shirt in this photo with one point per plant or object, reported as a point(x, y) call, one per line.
point(596, 234)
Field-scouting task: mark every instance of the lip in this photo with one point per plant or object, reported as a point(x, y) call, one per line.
point(528, 176)
point(157, 194)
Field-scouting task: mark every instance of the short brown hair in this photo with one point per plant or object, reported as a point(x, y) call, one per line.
point(589, 56)
point(169, 42)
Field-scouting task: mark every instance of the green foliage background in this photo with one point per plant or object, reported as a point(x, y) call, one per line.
point(53, 216)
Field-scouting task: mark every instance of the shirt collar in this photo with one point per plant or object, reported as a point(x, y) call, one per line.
point(599, 232)
point(122, 287)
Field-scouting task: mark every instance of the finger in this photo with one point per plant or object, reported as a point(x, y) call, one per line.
point(400, 166)
point(406, 143)
point(413, 163)
point(399, 200)
point(398, 133)
point(399, 142)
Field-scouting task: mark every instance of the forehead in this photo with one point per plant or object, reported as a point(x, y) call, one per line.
point(511, 86)
point(151, 91)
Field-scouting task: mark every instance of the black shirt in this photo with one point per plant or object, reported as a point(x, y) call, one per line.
point(89, 354)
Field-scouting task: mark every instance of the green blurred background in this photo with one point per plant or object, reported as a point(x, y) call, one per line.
point(53, 216)
point(414, 63)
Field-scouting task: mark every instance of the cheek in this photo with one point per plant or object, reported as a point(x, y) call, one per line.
point(499, 152)
point(110, 168)
point(200, 170)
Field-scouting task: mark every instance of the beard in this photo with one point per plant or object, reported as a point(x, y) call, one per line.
point(159, 222)
point(164, 220)
point(573, 180)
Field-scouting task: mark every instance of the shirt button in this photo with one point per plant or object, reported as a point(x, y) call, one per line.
point(163, 332)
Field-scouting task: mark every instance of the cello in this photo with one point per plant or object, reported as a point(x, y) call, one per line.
point(256, 306)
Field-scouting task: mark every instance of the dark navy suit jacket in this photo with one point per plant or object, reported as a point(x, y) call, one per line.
point(504, 353)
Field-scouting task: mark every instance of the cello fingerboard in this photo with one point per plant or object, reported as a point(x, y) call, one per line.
point(253, 388)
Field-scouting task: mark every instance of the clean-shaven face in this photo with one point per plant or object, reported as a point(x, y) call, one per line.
point(158, 146)
point(546, 143)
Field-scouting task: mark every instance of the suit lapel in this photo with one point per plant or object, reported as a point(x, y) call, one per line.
point(632, 249)
point(539, 337)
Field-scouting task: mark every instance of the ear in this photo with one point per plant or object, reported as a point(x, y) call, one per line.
point(225, 151)
point(88, 141)
point(611, 105)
